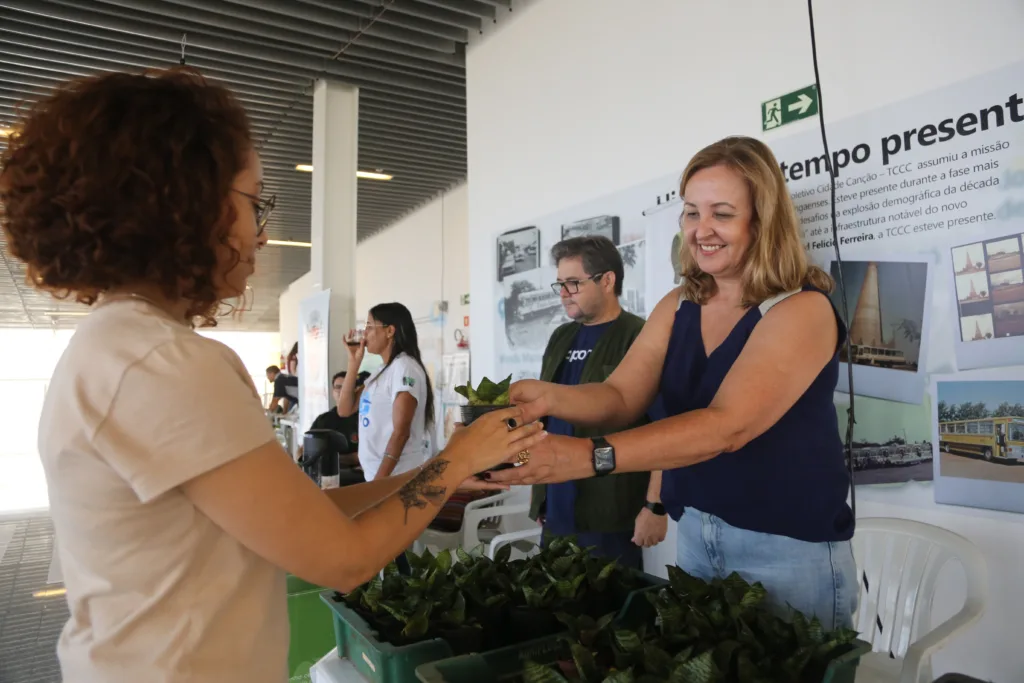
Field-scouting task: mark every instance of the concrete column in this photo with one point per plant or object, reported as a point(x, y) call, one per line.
point(333, 228)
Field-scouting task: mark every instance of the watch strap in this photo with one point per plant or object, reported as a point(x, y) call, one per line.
point(656, 508)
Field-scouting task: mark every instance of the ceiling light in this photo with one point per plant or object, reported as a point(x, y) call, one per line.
point(61, 314)
point(51, 593)
point(373, 175)
point(289, 243)
point(4, 132)
point(365, 175)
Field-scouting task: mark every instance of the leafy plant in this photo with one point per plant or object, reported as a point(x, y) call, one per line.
point(425, 604)
point(487, 393)
point(694, 631)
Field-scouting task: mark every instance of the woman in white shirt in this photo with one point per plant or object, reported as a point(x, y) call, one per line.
point(396, 407)
point(178, 512)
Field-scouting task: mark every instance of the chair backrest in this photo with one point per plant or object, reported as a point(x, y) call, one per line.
point(899, 562)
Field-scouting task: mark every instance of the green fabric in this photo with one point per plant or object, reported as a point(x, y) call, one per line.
point(611, 503)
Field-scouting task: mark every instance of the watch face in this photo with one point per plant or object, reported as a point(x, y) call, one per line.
point(604, 458)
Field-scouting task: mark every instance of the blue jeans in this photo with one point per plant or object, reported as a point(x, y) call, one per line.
point(818, 579)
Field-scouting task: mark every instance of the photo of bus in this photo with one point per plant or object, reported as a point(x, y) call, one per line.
point(996, 439)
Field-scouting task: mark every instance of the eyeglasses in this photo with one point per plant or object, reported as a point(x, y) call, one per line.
point(262, 209)
point(573, 286)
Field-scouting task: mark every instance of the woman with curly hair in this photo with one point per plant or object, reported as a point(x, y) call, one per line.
point(177, 511)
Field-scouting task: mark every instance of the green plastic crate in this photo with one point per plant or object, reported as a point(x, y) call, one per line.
point(382, 662)
point(500, 665)
point(377, 661)
point(312, 634)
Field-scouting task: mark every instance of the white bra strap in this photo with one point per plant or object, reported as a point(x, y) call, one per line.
point(777, 299)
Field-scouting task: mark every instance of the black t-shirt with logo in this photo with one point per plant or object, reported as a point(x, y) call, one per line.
point(349, 426)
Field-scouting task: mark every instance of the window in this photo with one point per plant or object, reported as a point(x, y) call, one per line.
point(972, 427)
point(960, 429)
point(986, 427)
point(1017, 431)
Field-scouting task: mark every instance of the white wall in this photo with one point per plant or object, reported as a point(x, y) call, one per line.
point(422, 259)
point(570, 99)
point(288, 314)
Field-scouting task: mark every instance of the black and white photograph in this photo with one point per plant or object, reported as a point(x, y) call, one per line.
point(634, 282)
point(887, 299)
point(892, 442)
point(532, 309)
point(518, 251)
point(979, 427)
point(606, 226)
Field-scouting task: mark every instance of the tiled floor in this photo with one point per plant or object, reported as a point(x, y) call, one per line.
point(29, 626)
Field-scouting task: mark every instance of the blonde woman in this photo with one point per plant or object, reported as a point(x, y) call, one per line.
point(745, 355)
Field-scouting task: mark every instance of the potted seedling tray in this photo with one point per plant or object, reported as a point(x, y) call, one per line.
point(646, 642)
point(379, 661)
point(443, 608)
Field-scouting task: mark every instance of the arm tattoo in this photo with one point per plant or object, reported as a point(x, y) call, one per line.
point(420, 490)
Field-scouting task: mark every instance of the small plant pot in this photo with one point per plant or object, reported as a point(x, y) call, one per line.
point(527, 623)
point(463, 640)
point(470, 413)
point(493, 622)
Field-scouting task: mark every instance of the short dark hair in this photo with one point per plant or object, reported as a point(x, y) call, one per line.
point(273, 368)
point(337, 375)
point(599, 255)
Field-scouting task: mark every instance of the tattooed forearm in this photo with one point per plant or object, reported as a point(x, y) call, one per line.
point(421, 489)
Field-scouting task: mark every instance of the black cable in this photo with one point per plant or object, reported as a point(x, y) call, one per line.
point(850, 421)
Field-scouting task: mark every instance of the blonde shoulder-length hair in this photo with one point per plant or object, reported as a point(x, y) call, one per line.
point(775, 262)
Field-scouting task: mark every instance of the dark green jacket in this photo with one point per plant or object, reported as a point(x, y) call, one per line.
point(606, 504)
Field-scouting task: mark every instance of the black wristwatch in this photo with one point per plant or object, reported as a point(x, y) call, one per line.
point(603, 457)
point(656, 508)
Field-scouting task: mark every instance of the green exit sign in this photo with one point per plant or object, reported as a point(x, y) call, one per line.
point(799, 104)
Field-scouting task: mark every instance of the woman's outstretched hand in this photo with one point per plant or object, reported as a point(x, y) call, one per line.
point(553, 460)
point(534, 397)
point(494, 438)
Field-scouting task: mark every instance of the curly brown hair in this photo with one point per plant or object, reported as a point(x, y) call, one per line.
point(122, 179)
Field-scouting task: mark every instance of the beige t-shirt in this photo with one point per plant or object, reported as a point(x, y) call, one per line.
point(137, 406)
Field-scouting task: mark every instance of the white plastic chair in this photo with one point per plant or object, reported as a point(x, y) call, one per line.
point(495, 510)
point(527, 541)
point(899, 562)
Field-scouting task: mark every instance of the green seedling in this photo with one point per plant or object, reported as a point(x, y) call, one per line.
point(487, 393)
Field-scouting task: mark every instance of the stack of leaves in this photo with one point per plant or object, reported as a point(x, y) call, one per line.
point(487, 393)
point(428, 603)
point(699, 632)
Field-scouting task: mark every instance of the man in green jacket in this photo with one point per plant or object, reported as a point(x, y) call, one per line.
point(622, 513)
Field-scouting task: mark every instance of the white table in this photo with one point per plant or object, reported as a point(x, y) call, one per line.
point(333, 669)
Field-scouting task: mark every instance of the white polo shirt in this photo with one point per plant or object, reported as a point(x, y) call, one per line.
point(376, 424)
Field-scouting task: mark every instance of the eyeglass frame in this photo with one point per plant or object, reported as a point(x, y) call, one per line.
point(557, 287)
point(261, 207)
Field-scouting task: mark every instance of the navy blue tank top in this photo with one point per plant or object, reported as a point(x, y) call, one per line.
point(791, 480)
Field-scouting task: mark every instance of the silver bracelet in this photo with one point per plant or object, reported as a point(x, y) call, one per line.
point(388, 455)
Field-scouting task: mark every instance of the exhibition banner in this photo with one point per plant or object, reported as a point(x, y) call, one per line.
point(929, 201)
point(314, 369)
